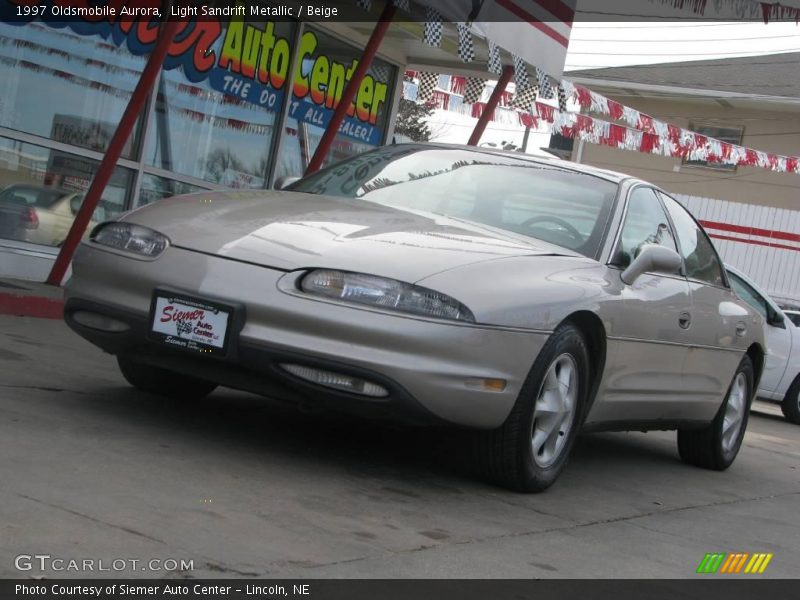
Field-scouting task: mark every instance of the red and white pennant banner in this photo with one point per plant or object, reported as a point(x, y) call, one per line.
point(666, 139)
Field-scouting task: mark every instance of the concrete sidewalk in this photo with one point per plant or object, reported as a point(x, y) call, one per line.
point(30, 299)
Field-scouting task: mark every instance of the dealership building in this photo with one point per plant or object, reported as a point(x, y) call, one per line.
point(228, 118)
point(240, 102)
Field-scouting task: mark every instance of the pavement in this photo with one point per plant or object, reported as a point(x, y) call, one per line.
point(242, 486)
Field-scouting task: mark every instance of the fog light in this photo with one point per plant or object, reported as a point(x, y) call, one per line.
point(337, 381)
point(98, 321)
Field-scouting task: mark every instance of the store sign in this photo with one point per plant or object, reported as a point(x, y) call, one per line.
point(318, 85)
point(250, 62)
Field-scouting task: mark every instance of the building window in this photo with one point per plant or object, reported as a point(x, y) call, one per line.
point(221, 128)
point(42, 190)
point(67, 87)
point(325, 64)
point(155, 188)
point(731, 135)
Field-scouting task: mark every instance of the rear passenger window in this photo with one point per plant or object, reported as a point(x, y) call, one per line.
point(645, 223)
point(699, 256)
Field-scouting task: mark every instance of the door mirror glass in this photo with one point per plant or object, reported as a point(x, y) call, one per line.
point(652, 258)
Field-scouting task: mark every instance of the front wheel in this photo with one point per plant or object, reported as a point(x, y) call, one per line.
point(791, 403)
point(529, 451)
point(716, 446)
point(162, 382)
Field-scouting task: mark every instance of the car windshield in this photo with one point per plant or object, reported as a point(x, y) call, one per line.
point(534, 199)
point(794, 317)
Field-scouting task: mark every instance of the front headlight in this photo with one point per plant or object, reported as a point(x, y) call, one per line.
point(130, 237)
point(384, 293)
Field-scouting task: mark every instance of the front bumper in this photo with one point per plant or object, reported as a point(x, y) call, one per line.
point(428, 366)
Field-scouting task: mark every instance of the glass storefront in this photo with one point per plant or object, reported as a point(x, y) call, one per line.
point(226, 113)
point(41, 191)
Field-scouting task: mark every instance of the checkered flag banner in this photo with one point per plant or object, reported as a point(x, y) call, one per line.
point(427, 84)
point(183, 327)
point(544, 84)
point(524, 98)
point(365, 4)
point(473, 89)
point(562, 99)
point(381, 72)
point(433, 27)
point(402, 5)
point(466, 49)
point(521, 79)
point(495, 64)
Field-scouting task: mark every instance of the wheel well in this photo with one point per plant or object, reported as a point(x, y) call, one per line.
point(756, 354)
point(594, 331)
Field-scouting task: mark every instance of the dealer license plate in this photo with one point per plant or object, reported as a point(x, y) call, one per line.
point(190, 324)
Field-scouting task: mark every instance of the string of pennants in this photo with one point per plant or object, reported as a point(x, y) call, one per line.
point(640, 132)
point(742, 9)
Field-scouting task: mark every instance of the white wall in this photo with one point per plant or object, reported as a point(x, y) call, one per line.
point(761, 241)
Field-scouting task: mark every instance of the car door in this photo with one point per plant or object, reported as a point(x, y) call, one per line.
point(779, 336)
point(647, 344)
point(719, 324)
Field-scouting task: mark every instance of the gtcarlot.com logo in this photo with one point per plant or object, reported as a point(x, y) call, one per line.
point(46, 562)
point(734, 563)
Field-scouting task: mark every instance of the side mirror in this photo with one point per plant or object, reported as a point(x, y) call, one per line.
point(775, 318)
point(284, 182)
point(652, 258)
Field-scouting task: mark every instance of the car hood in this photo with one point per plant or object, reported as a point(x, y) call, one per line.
point(290, 230)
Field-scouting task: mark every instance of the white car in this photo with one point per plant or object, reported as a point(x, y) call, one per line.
point(794, 316)
point(781, 378)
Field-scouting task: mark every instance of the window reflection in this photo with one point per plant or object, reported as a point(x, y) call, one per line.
point(42, 190)
point(94, 81)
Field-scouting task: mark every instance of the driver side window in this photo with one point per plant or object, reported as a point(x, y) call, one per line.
point(645, 223)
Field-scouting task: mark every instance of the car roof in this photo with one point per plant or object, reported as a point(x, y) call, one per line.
point(612, 176)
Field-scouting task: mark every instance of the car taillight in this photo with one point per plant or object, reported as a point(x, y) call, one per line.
point(29, 218)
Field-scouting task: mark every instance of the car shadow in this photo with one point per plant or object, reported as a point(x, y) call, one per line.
point(437, 455)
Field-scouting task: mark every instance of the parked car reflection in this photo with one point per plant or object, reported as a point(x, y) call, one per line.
point(41, 215)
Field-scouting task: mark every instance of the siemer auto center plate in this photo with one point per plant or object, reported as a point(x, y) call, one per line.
point(190, 324)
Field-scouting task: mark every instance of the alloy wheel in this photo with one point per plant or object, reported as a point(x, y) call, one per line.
point(734, 412)
point(554, 410)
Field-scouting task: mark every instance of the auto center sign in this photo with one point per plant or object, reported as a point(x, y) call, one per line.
point(249, 61)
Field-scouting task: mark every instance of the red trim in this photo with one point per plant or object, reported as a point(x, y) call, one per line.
point(31, 306)
point(746, 230)
point(352, 87)
point(558, 9)
point(730, 238)
point(530, 19)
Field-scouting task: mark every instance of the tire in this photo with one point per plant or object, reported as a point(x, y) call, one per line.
point(716, 446)
point(791, 402)
point(511, 455)
point(162, 382)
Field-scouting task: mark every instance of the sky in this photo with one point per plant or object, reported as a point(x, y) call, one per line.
point(598, 45)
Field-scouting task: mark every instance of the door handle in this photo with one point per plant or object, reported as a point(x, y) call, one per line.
point(741, 329)
point(685, 320)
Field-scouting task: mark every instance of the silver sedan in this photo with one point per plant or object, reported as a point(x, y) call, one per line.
point(529, 299)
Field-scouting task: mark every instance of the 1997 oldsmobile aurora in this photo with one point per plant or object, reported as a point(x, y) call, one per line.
point(529, 298)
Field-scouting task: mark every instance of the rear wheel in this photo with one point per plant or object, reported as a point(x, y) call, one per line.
point(529, 451)
point(791, 403)
point(162, 382)
point(716, 446)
